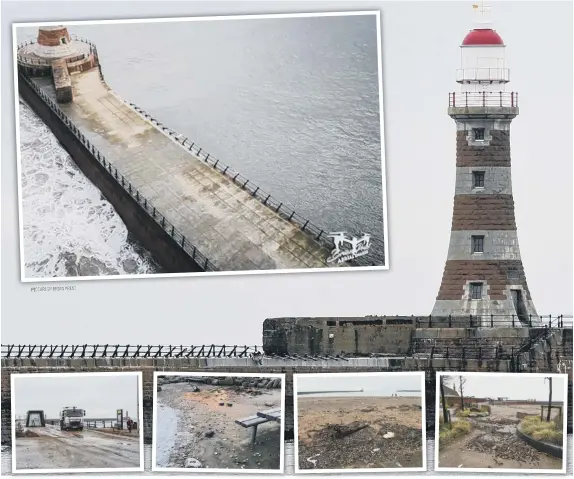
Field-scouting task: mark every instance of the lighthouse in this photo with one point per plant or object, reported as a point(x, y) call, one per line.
point(484, 280)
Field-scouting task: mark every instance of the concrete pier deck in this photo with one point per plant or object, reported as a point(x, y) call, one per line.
point(227, 225)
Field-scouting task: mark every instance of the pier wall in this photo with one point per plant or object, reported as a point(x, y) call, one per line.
point(166, 251)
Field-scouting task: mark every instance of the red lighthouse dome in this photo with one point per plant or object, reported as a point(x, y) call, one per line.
point(482, 36)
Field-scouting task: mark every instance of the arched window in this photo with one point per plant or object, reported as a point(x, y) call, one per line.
point(63, 40)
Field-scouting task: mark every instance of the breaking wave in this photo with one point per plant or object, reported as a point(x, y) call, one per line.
point(69, 228)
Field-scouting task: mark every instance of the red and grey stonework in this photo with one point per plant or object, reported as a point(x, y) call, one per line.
point(55, 54)
point(483, 275)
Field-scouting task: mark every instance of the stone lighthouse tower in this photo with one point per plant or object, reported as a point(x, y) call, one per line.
point(483, 278)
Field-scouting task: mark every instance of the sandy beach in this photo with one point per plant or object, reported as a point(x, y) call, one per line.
point(359, 432)
point(200, 425)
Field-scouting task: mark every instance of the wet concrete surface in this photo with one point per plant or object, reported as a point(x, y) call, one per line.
point(61, 450)
point(230, 227)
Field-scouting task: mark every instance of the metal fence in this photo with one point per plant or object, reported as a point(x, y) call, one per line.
point(113, 351)
point(493, 321)
point(41, 62)
point(202, 261)
point(483, 99)
point(286, 212)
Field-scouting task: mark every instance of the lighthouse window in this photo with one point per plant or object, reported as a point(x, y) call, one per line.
point(478, 134)
point(478, 179)
point(63, 40)
point(478, 244)
point(475, 290)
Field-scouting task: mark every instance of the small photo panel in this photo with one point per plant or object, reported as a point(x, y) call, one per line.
point(359, 422)
point(77, 422)
point(501, 422)
point(209, 422)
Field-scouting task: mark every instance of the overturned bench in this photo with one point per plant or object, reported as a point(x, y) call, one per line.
point(261, 417)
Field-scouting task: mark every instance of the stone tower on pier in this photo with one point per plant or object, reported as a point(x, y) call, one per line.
point(483, 276)
point(56, 54)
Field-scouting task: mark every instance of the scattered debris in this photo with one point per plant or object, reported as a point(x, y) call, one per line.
point(313, 461)
point(389, 435)
point(209, 434)
point(192, 462)
point(229, 404)
point(376, 449)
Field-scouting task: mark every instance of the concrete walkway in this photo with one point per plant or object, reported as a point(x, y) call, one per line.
point(230, 227)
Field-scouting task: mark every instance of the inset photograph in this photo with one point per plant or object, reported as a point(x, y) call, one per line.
point(77, 422)
point(359, 422)
point(263, 151)
point(206, 422)
point(501, 422)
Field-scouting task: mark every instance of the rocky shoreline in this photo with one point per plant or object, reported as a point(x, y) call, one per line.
point(240, 381)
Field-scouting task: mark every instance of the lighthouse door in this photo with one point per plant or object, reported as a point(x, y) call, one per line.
point(519, 306)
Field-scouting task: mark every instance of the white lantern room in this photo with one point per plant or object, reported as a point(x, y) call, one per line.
point(483, 65)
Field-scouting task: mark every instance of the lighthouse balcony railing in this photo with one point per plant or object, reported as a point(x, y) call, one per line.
point(483, 99)
point(468, 75)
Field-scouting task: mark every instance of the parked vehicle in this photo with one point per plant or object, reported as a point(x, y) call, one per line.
point(72, 418)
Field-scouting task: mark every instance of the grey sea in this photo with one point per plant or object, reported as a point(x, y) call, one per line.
point(291, 103)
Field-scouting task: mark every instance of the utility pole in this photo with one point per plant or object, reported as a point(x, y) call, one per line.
point(461, 382)
point(445, 417)
point(549, 398)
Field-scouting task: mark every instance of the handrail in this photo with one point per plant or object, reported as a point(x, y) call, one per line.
point(482, 74)
point(483, 99)
point(42, 62)
point(161, 220)
point(493, 320)
point(287, 213)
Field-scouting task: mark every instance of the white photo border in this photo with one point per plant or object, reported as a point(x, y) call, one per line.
point(378, 374)
point(479, 470)
point(138, 374)
point(155, 468)
point(376, 13)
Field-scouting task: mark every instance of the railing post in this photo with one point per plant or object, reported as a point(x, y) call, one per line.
point(450, 320)
point(492, 320)
point(513, 320)
point(530, 320)
point(483, 98)
point(430, 321)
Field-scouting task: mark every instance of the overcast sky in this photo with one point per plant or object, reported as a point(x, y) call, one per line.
point(99, 396)
point(420, 57)
point(380, 385)
point(516, 386)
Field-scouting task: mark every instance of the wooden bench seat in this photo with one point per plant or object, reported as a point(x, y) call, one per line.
point(251, 422)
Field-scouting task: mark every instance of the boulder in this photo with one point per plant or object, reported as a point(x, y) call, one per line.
point(226, 381)
point(192, 462)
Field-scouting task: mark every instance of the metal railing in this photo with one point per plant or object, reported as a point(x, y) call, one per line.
point(494, 320)
point(200, 259)
point(482, 74)
point(23, 60)
point(286, 212)
point(117, 351)
point(483, 99)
